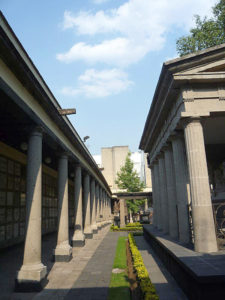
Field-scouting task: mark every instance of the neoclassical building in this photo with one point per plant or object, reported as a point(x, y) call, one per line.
point(48, 179)
point(184, 136)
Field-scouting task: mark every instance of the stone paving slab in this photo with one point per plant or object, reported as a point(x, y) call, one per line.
point(164, 283)
point(93, 282)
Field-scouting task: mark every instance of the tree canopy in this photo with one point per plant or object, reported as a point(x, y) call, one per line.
point(127, 179)
point(207, 32)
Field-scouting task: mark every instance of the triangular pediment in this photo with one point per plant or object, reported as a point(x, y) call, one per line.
point(212, 67)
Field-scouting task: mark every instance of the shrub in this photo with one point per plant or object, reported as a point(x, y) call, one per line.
point(136, 224)
point(147, 287)
point(129, 228)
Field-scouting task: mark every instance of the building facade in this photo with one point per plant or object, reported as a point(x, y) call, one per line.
point(184, 137)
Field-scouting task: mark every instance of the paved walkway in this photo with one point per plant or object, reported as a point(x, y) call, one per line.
point(86, 276)
point(164, 283)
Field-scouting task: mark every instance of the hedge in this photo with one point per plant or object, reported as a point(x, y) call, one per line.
point(131, 228)
point(136, 224)
point(147, 287)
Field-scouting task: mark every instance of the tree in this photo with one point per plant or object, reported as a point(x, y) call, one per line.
point(127, 179)
point(207, 32)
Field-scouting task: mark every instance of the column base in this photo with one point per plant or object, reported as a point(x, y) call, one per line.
point(88, 236)
point(78, 239)
point(88, 232)
point(94, 228)
point(62, 253)
point(204, 229)
point(31, 278)
point(78, 243)
point(62, 258)
point(99, 226)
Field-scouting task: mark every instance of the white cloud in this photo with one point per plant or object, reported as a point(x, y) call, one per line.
point(130, 31)
point(99, 84)
point(119, 52)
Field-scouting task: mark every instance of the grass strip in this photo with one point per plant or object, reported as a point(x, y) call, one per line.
point(119, 284)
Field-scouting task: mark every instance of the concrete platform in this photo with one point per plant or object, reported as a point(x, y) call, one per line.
point(201, 276)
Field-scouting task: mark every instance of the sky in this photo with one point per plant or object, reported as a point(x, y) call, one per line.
point(103, 57)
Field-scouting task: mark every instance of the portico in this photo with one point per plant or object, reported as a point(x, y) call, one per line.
point(49, 182)
point(185, 121)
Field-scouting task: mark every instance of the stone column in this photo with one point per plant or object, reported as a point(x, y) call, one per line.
point(180, 168)
point(87, 223)
point(63, 251)
point(163, 194)
point(98, 206)
point(93, 207)
point(158, 196)
point(78, 239)
point(154, 196)
point(204, 228)
point(146, 204)
point(122, 213)
point(105, 210)
point(104, 206)
point(32, 274)
point(110, 211)
point(171, 192)
point(101, 206)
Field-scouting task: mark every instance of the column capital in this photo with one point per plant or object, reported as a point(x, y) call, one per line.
point(77, 164)
point(62, 154)
point(86, 174)
point(166, 146)
point(161, 154)
point(37, 130)
point(92, 179)
point(193, 120)
point(154, 163)
point(176, 135)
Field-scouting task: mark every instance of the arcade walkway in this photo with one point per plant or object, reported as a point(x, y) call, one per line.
point(86, 276)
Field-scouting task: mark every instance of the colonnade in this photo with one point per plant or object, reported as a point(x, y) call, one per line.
point(96, 213)
point(180, 184)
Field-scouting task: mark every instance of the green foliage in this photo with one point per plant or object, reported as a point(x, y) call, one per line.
point(136, 224)
point(127, 228)
point(127, 179)
point(147, 288)
point(119, 284)
point(120, 260)
point(207, 32)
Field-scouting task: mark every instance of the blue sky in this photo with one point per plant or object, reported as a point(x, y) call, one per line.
point(103, 57)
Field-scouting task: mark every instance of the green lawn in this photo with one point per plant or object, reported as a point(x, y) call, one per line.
point(119, 284)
